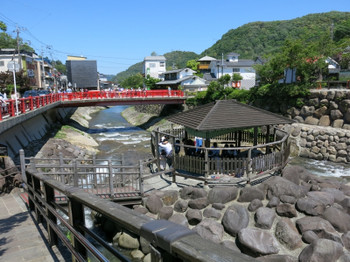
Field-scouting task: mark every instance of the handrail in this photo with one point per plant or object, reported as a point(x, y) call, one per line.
point(25, 105)
point(166, 238)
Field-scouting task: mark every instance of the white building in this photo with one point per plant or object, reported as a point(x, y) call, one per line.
point(154, 66)
point(184, 78)
point(233, 65)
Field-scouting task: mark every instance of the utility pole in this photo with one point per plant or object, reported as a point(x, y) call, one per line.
point(18, 51)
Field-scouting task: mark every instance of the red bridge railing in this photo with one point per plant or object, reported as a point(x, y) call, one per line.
point(25, 105)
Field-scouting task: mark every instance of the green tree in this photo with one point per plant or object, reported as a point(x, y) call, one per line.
point(3, 26)
point(134, 81)
point(236, 77)
point(60, 67)
point(150, 82)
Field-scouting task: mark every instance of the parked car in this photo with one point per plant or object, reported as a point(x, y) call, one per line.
point(43, 92)
point(30, 93)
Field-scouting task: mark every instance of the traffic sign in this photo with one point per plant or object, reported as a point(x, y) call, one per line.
point(12, 65)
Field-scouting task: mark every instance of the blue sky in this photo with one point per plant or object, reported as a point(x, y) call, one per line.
point(120, 33)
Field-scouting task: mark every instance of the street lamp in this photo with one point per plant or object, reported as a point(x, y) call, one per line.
point(12, 65)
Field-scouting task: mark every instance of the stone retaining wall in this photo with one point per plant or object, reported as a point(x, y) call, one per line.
point(321, 143)
point(324, 108)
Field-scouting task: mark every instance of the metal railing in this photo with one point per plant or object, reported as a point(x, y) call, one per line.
point(168, 241)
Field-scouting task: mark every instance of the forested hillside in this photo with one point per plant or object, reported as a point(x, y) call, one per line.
point(257, 39)
point(262, 38)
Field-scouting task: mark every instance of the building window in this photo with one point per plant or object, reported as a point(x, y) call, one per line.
point(2, 63)
point(162, 64)
point(235, 70)
point(152, 65)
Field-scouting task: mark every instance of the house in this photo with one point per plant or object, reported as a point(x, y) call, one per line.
point(184, 78)
point(154, 66)
point(233, 65)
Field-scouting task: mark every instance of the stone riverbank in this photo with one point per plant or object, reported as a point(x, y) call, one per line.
point(295, 217)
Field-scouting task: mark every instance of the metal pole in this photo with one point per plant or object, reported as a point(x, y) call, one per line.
point(23, 165)
point(14, 83)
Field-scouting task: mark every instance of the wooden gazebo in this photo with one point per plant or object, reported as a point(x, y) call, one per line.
point(249, 143)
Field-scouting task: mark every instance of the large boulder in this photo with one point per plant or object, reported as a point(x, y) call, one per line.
point(198, 203)
point(278, 186)
point(181, 206)
point(339, 219)
point(321, 227)
point(192, 193)
point(170, 197)
point(248, 194)
point(194, 216)
point(124, 240)
point(211, 230)
point(346, 240)
point(211, 213)
point(236, 217)
point(154, 204)
point(179, 219)
point(222, 194)
point(321, 250)
point(264, 217)
point(286, 210)
point(287, 234)
point(165, 213)
point(257, 242)
point(254, 205)
point(315, 203)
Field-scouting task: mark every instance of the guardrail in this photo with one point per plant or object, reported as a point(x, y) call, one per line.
point(25, 105)
point(168, 241)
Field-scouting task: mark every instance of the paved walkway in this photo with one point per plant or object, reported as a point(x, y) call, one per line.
point(20, 238)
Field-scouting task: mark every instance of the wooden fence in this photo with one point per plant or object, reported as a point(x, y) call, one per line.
point(108, 178)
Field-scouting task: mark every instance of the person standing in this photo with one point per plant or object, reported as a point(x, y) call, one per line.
point(167, 148)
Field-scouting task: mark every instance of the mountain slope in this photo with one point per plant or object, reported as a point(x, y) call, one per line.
point(261, 38)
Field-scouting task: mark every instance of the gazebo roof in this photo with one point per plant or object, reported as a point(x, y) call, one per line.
point(224, 116)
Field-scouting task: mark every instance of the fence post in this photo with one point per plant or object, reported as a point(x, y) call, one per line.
point(75, 173)
point(23, 165)
point(94, 173)
point(157, 148)
point(141, 177)
point(36, 189)
point(76, 219)
point(110, 170)
point(49, 199)
point(60, 155)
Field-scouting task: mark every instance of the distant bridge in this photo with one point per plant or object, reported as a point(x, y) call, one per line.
point(12, 115)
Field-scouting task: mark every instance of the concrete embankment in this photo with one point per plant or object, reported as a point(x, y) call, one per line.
point(20, 135)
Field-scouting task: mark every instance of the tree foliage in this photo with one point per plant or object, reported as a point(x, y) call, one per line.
point(150, 82)
point(134, 81)
point(7, 85)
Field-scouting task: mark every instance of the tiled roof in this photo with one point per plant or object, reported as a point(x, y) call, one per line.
point(226, 114)
point(155, 58)
point(239, 63)
point(206, 58)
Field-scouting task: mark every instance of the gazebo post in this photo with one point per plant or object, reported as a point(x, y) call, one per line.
point(255, 136)
point(173, 157)
point(206, 167)
point(239, 138)
point(249, 165)
point(267, 139)
point(157, 148)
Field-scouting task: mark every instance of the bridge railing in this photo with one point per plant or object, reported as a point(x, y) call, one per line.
point(167, 241)
point(8, 108)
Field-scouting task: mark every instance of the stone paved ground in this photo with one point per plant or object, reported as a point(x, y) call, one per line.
point(20, 238)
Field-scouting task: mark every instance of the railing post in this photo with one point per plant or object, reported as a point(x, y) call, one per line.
point(50, 198)
point(60, 155)
point(75, 173)
point(36, 189)
point(157, 148)
point(110, 170)
point(76, 218)
point(206, 165)
point(94, 170)
point(141, 177)
point(23, 165)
